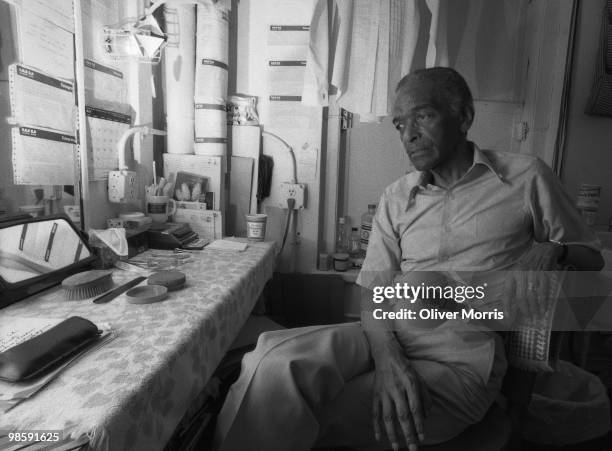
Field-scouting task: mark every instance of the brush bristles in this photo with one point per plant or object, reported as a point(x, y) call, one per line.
point(84, 292)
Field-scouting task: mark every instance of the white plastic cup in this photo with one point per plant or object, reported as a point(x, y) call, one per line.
point(256, 227)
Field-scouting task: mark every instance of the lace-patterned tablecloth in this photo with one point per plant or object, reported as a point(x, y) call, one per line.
point(132, 392)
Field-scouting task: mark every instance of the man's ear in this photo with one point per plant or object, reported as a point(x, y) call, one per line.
point(467, 119)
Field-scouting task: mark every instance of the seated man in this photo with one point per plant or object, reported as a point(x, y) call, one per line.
point(464, 209)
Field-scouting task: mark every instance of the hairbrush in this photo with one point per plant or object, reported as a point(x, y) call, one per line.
point(87, 284)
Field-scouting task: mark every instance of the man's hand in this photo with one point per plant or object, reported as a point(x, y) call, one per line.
point(399, 396)
point(531, 284)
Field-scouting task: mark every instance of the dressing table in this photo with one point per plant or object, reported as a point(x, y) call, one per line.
point(132, 392)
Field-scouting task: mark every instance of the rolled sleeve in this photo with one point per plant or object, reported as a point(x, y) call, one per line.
point(555, 217)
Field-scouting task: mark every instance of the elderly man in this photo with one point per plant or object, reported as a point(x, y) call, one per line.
point(463, 209)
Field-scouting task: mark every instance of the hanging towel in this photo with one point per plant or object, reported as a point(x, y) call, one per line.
point(437, 50)
point(316, 83)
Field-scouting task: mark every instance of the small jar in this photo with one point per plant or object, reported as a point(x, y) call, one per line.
point(341, 262)
point(324, 262)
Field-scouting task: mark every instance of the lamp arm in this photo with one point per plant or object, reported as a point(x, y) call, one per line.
point(144, 129)
point(291, 153)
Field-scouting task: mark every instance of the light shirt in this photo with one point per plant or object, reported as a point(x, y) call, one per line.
point(486, 221)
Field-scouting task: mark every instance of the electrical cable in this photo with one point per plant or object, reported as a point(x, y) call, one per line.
point(290, 204)
point(291, 153)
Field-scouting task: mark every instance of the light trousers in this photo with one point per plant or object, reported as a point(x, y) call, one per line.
point(313, 386)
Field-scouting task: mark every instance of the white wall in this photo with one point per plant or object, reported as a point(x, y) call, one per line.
point(486, 46)
point(588, 150)
point(254, 19)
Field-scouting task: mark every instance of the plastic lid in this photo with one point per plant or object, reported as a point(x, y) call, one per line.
point(341, 256)
point(173, 280)
point(147, 294)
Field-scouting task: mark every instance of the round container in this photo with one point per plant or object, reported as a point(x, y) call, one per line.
point(131, 215)
point(341, 262)
point(147, 294)
point(34, 210)
point(172, 280)
point(256, 227)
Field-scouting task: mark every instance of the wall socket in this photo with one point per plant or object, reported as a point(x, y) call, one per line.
point(295, 191)
point(122, 186)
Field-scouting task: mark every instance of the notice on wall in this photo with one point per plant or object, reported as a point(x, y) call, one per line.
point(286, 77)
point(57, 11)
point(105, 129)
point(287, 112)
point(307, 162)
point(105, 86)
point(45, 46)
point(288, 35)
point(42, 157)
point(41, 100)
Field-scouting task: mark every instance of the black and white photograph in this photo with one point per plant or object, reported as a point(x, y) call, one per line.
point(305, 225)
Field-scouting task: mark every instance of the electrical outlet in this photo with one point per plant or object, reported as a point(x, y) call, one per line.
point(295, 191)
point(122, 186)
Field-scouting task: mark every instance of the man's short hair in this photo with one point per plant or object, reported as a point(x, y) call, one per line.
point(451, 90)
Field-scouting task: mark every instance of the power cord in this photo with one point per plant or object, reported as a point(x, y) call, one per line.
point(290, 205)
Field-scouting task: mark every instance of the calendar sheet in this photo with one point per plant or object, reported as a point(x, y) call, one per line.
point(42, 157)
point(105, 129)
point(105, 86)
point(40, 100)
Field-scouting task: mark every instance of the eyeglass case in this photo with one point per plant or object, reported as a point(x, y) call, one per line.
point(35, 356)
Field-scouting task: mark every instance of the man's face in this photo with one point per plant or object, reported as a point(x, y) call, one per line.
point(429, 132)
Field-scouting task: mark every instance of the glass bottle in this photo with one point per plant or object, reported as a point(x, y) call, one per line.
point(341, 236)
point(366, 227)
point(354, 249)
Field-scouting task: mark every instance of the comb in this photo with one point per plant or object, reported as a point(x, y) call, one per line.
point(87, 284)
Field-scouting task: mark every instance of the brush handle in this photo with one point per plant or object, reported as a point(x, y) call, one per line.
point(112, 294)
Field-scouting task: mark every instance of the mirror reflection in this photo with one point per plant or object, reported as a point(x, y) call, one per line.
point(30, 250)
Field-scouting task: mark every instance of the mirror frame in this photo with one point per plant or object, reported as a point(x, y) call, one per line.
point(13, 292)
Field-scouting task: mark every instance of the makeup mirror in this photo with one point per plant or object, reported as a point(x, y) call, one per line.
point(36, 253)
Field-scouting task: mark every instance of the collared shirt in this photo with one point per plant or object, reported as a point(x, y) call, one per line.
point(486, 221)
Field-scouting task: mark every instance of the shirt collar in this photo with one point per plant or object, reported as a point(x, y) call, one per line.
point(481, 158)
point(426, 177)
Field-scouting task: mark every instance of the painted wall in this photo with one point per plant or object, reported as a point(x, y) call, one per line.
point(485, 41)
point(588, 150)
point(304, 127)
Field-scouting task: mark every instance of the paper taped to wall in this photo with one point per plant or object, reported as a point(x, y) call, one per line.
point(42, 157)
point(41, 100)
point(289, 35)
point(105, 129)
point(104, 86)
point(57, 11)
point(44, 45)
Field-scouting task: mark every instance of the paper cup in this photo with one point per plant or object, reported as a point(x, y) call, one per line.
point(256, 227)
